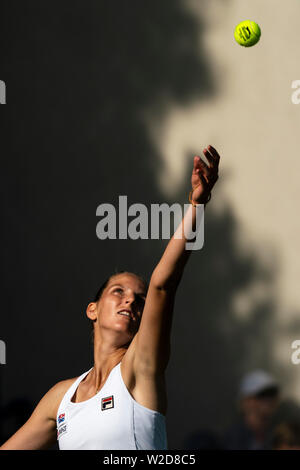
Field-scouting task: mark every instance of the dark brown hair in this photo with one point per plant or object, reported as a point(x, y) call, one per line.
point(102, 287)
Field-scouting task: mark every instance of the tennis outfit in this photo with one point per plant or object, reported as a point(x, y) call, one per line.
point(110, 420)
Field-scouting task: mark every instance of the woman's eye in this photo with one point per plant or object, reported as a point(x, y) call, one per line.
point(118, 290)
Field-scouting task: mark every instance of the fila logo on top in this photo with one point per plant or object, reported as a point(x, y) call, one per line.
point(107, 403)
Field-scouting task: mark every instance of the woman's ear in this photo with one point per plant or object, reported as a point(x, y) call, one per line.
point(91, 311)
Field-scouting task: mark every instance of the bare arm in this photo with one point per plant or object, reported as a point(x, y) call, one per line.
point(169, 270)
point(152, 348)
point(39, 432)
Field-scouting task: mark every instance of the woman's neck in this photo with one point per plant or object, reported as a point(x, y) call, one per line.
point(105, 359)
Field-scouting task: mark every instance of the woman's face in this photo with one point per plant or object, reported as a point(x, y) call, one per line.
point(121, 304)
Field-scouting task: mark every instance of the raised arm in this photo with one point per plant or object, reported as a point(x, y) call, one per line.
point(152, 348)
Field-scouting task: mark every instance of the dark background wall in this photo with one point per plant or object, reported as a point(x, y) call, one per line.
point(79, 76)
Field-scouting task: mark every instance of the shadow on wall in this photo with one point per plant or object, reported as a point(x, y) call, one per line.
point(216, 337)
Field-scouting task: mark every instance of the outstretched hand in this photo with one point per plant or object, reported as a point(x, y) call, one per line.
point(204, 176)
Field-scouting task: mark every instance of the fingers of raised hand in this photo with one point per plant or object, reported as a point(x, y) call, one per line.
point(213, 157)
point(214, 153)
point(207, 173)
point(200, 166)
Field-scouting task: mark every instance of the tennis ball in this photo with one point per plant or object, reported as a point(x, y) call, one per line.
point(247, 33)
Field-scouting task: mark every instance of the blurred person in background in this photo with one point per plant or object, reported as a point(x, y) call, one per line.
point(259, 397)
point(286, 436)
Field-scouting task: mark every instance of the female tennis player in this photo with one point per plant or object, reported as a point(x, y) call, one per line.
point(121, 403)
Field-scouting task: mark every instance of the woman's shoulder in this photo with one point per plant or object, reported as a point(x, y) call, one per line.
point(58, 390)
point(62, 386)
point(56, 393)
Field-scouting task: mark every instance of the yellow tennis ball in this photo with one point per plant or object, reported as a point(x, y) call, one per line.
point(247, 33)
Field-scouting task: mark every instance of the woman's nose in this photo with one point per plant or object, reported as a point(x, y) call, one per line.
point(130, 298)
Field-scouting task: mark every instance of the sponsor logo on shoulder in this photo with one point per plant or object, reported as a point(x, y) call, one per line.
point(107, 403)
point(61, 425)
point(61, 430)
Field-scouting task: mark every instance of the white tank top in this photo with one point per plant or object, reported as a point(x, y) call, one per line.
point(110, 420)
